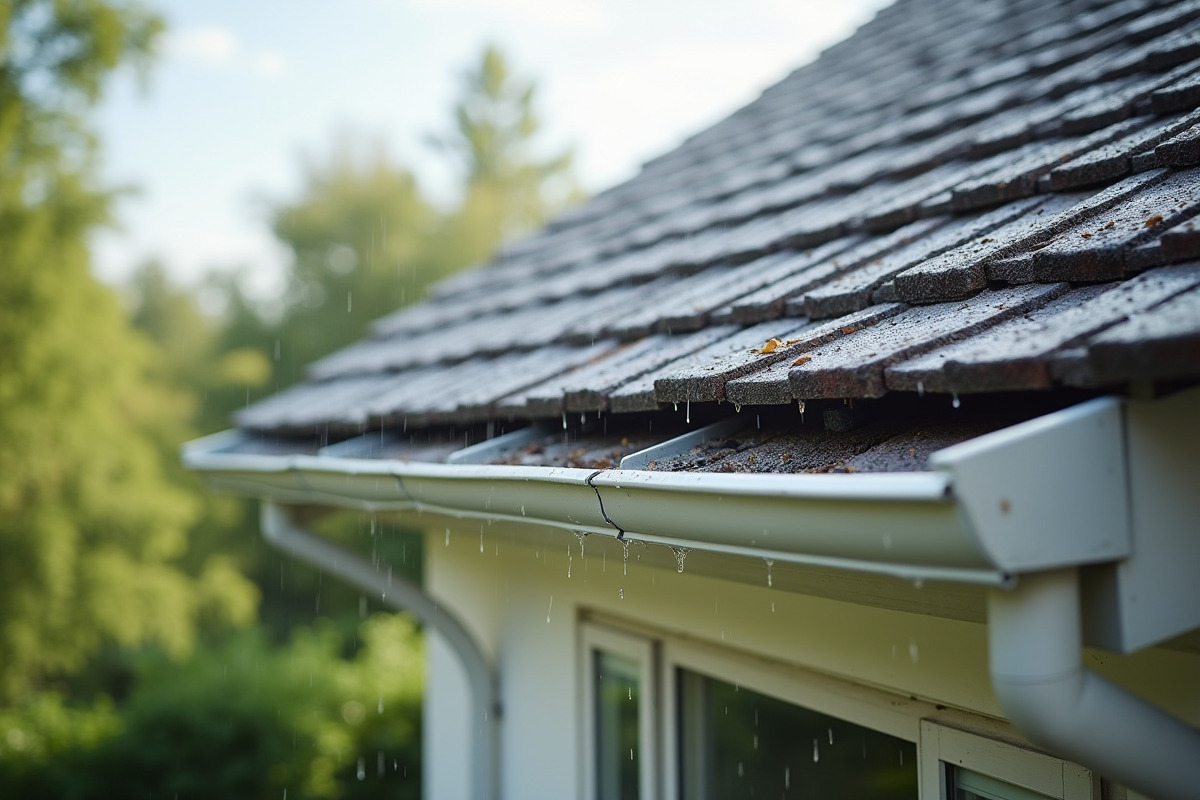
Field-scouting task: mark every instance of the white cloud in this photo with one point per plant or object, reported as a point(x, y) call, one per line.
point(209, 45)
point(269, 64)
point(218, 47)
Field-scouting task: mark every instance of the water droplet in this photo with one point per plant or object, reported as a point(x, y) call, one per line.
point(914, 654)
point(447, 537)
point(481, 538)
point(676, 405)
point(548, 610)
point(772, 606)
point(569, 560)
point(737, 408)
point(800, 407)
point(680, 555)
point(816, 751)
point(741, 769)
point(689, 412)
point(920, 388)
point(770, 581)
point(756, 741)
point(831, 735)
point(624, 556)
point(380, 704)
point(954, 401)
point(918, 583)
point(564, 420)
point(580, 535)
point(362, 768)
point(621, 593)
point(787, 777)
point(758, 421)
point(630, 690)
point(522, 509)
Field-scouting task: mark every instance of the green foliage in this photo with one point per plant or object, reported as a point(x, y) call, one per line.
point(241, 720)
point(358, 238)
point(364, 241)
point(90, 530)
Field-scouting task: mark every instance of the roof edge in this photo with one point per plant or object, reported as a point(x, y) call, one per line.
point(967, 521)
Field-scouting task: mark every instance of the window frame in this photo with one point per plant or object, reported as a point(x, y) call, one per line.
point(643, 651)
point(942, 747)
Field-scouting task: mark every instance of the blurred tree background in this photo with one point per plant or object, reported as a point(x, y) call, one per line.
point(150, 644)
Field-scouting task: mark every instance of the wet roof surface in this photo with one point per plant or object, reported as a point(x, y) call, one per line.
point(962, 197)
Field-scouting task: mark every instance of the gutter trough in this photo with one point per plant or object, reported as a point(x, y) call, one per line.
point(978, 517)
point(904, 524)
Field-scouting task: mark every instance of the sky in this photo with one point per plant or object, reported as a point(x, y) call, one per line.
point(243, 92)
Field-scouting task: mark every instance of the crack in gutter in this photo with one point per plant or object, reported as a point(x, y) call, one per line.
point(600, 500)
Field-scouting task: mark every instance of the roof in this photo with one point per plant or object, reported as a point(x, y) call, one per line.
point(959, 198)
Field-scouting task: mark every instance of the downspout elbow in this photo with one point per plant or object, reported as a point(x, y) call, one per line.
point(1036, 657)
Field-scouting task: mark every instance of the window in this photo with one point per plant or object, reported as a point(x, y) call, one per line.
point(957, 765)
point(620, 715)
point(617, 695)
point(735, 742)
point(682, 720)
point(965, 784)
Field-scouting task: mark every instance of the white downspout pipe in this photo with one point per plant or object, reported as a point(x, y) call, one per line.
point(279, 529)
point(1036, 647)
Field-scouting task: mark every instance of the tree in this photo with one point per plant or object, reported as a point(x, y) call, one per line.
point(508, 189)
point(358, 238)
point(89, 528)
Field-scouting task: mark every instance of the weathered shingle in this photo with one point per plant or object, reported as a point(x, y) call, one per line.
point(962, 197)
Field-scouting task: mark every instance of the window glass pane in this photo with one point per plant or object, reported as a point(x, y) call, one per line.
point(617, 749)
point(738, 743)
point(970, 785)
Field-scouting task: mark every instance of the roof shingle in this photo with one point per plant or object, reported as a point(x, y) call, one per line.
point(961, 197)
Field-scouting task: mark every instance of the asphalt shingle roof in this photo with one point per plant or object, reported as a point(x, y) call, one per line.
point(962, 197)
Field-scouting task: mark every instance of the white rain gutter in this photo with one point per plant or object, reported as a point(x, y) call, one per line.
point(1049, 494)
point(1036, 661)
point(279, 528)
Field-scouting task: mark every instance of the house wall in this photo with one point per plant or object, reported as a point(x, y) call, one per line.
point(524, 607)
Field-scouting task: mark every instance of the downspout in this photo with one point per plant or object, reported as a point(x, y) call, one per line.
point(281, 531)
point(1036, 657)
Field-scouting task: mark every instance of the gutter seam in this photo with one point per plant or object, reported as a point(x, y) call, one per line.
point(600, 500)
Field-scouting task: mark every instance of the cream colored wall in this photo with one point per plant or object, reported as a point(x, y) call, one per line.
point(524, 607)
